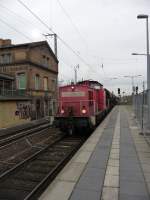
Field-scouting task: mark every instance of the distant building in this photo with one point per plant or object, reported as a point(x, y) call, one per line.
point(29, 70)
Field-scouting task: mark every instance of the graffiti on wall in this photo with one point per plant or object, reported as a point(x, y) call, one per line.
point(23, 110)
point(35, 110)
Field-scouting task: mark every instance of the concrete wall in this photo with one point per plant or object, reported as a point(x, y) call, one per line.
point(7, 114)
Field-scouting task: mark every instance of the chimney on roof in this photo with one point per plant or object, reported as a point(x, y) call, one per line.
point(5, 42)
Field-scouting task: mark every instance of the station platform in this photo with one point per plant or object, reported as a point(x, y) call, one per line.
point(113, 164)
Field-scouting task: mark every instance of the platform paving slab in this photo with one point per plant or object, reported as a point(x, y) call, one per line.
point(111, 181)
point(133, 197)
point(72, 172)
point(56, 189)
point(132, 180)
point(97, 163)
point(113, 163)
point(84, 195)
point(112, 170)
point(89, 147)
point(110, 188)
point(82, 157)
point(110, 193)
point(91, 183)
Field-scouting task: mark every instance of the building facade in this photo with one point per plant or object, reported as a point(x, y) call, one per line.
point(34, 71)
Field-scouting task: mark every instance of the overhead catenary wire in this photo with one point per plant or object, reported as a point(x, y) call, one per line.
point(11, 27)
point(36, 16)
point(89, 65)
point(16, 30)
point(63, 42)
point(50, 29)
point(72, 22)
point(19, 17)
point(61, 60)
point(23, 19)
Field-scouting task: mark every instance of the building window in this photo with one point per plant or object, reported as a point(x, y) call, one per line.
point(45, 83)
point(6, 58)
point(45, 61)
point(21, 81)
point(37, 82)
point(53, 85)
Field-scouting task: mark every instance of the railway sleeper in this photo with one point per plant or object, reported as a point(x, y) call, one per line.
point(51, 153)
point(50, 158)
point(5, 167)
point(52, 139)
point(44, 163)
point(18, 184)
point(39, 169)
point(48, 162)
point(54, 154)
point(21, 183)
point(60, 149)
point(62, 146)
point(68, 141)
point(11, 194)
point(35, 177)
point(18, 158)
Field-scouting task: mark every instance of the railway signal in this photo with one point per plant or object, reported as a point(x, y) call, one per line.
point(136, 89)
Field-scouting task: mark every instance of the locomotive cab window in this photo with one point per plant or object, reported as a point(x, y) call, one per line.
point(90, 93)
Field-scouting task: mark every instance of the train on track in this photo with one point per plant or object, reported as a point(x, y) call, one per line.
point(82, 106)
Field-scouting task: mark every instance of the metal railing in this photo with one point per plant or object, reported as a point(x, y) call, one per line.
point(12, 93)
point(140, 107)
point(22, 92)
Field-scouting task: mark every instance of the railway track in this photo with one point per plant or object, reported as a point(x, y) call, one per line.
point(15, 152)
point(9, 135)
point(28, 179)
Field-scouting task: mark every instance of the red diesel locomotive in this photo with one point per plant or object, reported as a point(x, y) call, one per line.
point(82, 106)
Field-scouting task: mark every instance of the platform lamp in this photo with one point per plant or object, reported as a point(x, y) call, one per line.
point(143, 16)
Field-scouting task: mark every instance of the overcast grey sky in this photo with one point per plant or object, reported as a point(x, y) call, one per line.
point(103, 32)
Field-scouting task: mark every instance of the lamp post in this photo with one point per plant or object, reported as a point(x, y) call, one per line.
point(139, 54)
point(143, 16)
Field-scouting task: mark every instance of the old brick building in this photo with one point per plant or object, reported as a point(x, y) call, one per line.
point(34, 68)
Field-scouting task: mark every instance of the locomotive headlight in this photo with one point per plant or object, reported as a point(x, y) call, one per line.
point(62, 111)
point(84, 111)
point(72, 87)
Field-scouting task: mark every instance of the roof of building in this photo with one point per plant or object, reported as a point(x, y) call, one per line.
point(31, 45)
point(6, 77)
point(89, 82)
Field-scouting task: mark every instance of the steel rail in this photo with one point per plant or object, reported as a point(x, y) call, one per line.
point(10, 171)
point(14, 137)
point(73, 146)
point(34, 194)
